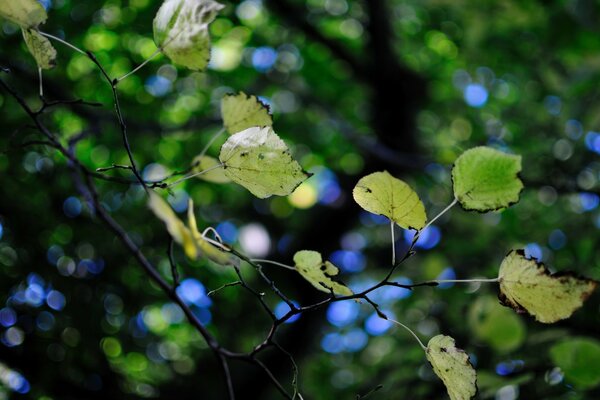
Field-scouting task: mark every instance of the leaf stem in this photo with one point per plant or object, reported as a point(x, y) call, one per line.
point(410, 331)
point(211, 141)
point(393, 243)
point(136, 69)
point(437, 216)
point(41, 82)
point(49, 36)
point(491, 280)
point(258, 260)
point(185, 178)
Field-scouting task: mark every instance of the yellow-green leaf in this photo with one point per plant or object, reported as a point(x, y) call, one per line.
point(453, 367)
point(528, 287)
point(40, 48)
point(241, 111)
point(381, 193)
point(178, 231)
point(211, 252)
point(217, 175)
point(485, 179)
point(181, 31)
point(310, 265)
point(259, 160)
point(25, 13)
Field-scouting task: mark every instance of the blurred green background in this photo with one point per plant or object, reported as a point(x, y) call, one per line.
point(354, 87)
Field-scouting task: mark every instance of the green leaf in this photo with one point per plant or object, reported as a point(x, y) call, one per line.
point(40, 48)
point(259, 160)
point(217, 175)
point(181, 31)
point(485, 179)
point(453, 367)
point(25, 13)
point(381, 193)
point(496, 325)
point(178, 231)
point(241, 111)
point(579, 360)
point(528, 287)
point(310, 265)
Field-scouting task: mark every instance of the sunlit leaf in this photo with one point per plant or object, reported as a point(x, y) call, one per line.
point(311, 266)
point(528, 287)
point(211, 252)
point(241, 111)
point(579, 360)
point(181, 31)
point(259, 160)
point(203, 163)
point(453, 367)
point(40, 48)
point(178, 231)
point(381, 193)
point(25, 13)
point(485, 179)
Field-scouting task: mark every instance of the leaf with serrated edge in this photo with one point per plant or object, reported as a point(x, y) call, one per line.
point(528, 287)
point(40, 48)
point(241, 111)
point(181, 31)
point(208, 250)
point(178, 231)
point(381, 193)
point(453, 367)
point(217, 175)
point(25, 13)
point(260, 161)
point(310, 265)
point(485, 179)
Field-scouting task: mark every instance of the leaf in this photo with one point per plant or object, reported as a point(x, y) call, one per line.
point(211, 252)
point(453, 367)
point(178, 231)
point(181, 31)
point(260, 161)
point(217, 175)
point(381, 193)
point(579, 359)
point(40, 48)
point(310, 265)
point(528, 287)
point(25, 13)
point(496, 325)
point(485, 179)
point(241, 111)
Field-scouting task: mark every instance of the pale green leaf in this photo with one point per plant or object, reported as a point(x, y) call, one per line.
point(203, 163)
point(181, 31)
point(40, 48)
point(178, 231)
point(579, 360)
point(453, 367)
point(241, 111)
point(381, 193)
point(485, 179)
point(312, 268)
point(496, 325)
point(528, 287)
point(259, 160)
point(205, 248)
point(25, 13)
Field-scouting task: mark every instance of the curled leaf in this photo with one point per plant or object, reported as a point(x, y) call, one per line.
point(25, 13)
point(310, 265)
point(381, 193)
point(217, 175)
point(260, 161)
point(485, 179)
point(453, 367)
point(241, 111)
point(40, 48)
point(205, 248)
point(528, 287)
point(181, 31)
